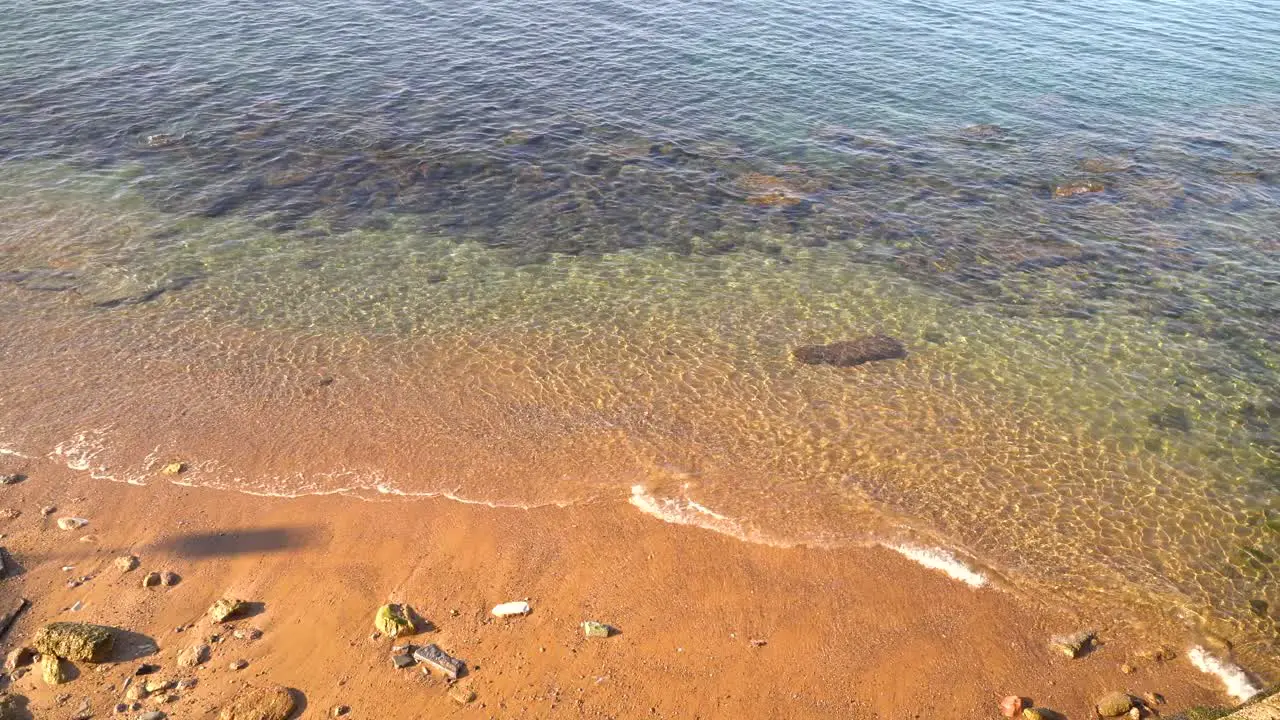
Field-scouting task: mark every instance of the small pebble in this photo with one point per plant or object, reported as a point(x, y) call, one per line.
point(1128, 669)
point(169, 579)
point(151, 579)
point(48, 510)
point(126, 563)
point(72, 523)
point(341, 710)
point(239, 664)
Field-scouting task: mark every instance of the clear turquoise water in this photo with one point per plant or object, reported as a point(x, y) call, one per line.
point(554, 229)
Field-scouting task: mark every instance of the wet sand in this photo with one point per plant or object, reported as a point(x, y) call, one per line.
point(858, 632)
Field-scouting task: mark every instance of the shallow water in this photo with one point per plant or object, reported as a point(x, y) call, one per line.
point(554, 252)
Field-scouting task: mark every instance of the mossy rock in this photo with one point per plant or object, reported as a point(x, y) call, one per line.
point(393, 621)
point(75, 641)
point(275, 703)
point(1201, 713)
point(1114, 704)
point(52, 671)
point(226, 609)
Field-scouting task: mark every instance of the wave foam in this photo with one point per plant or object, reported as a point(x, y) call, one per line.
point(943, 561)
point(1233, 677)
point(685, 511)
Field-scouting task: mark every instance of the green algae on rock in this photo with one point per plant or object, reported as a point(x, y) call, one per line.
point(393, 621)
point(275, 703)
point(75, 641)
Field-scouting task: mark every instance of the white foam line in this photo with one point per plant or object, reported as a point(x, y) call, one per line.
point(943, 561)
point(11, 451)
point(1233, 677)
point(685, 511)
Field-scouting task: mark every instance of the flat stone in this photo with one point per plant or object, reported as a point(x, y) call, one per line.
point(433, 657)
point(74, 641)
point(401, 661)
point(848, 353)
point(511, 609)
point(72, 523)
point(153, 715)
point(225, 608)
point(1114, 704)
point(274, 703)
point(127, 563)
point(591, 628)
point(193, 656)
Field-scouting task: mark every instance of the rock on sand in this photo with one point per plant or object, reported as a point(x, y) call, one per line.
point(74, 641)
point(393, 621)
point(275, 703)
point(225, 609)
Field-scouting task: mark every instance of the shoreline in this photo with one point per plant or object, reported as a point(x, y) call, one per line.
point(861, 632)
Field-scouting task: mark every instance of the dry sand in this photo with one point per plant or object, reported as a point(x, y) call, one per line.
point(856, 633)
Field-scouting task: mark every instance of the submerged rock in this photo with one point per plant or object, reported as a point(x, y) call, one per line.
point(1077, 187)
point(1104, 164)
point(1114, 704)
point(847, 353)
point(75, 641)
point(1073, 645)
point(984, 131)
point(224, 609)
point(393, 621)
point(274, 703)
point(1171, 417)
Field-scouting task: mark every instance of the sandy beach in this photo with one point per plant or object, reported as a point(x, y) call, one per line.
point(708, 626)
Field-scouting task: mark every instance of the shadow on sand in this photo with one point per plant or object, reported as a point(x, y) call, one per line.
point(237, 542)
